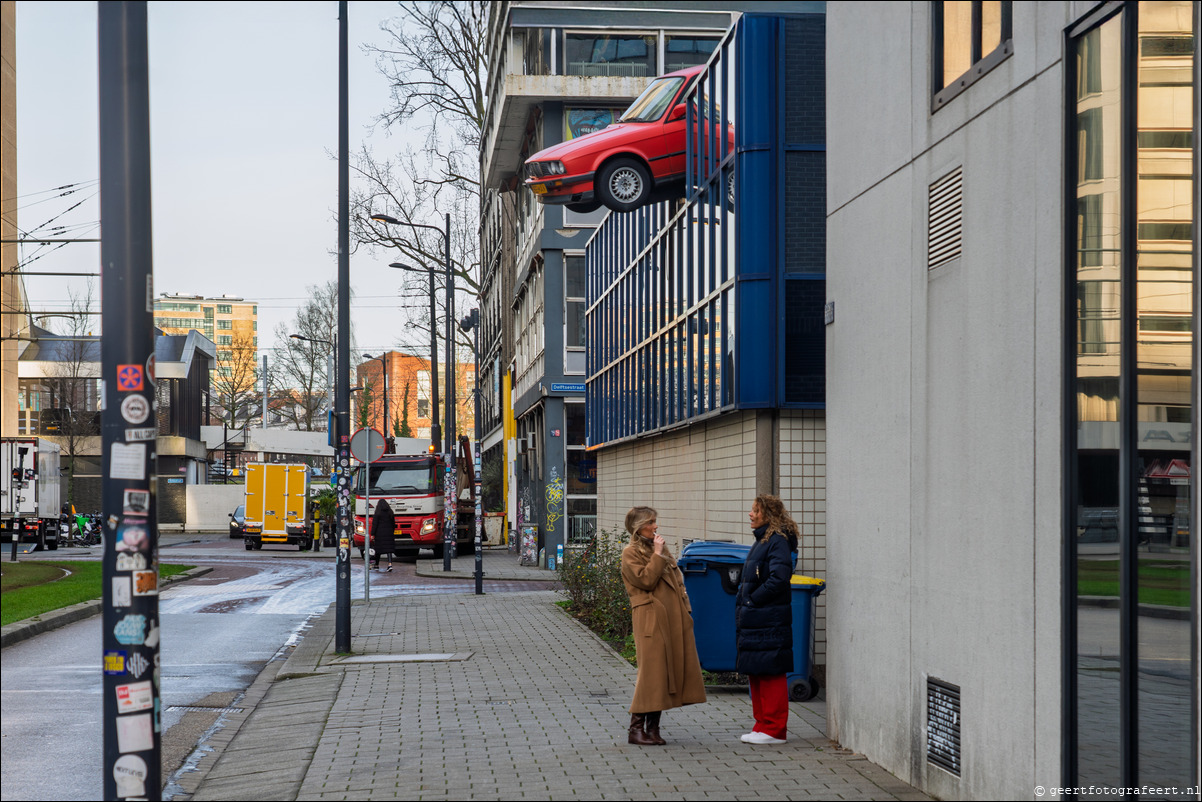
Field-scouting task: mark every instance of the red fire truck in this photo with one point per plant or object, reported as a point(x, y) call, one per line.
point(413, 483)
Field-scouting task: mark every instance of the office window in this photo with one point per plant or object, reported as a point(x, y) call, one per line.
point(622, 54)
point(687, 50)
point(225, 325)
point(968, 39)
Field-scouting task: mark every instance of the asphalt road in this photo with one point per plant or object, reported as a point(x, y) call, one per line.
point(218, 632)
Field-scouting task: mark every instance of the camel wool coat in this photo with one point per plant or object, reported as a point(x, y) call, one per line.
point(669, 671)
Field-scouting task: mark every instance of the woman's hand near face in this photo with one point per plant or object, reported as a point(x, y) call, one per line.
point(659, 544)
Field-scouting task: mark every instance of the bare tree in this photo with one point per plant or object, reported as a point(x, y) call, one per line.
point(71, 417)
point(237, 378)
point(436, 64)
point(300, 370)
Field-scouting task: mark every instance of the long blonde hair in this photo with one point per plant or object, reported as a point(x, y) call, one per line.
point(637, 518)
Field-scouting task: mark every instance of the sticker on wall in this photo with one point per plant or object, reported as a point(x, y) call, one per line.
point(137, 435)
point(133, 538)
point(136, 665)
point(134, 697)
point(114, 662)
point(131, 630)
point(130, 774)
point(135, 501)
point(134, 733)
point(129, 378)
point(146, 583)
point(128, 461)
point(135, 409)
point(121, 592)
point(131, 562)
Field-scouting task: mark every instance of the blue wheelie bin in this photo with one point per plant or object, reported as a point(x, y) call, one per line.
point(712, 570)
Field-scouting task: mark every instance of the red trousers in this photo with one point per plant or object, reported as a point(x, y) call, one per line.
point(770, 704)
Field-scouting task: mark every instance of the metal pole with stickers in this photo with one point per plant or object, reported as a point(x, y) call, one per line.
point(130, 638)
point(342, 379)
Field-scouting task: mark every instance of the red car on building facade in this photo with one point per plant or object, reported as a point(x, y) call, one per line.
point(621, 165)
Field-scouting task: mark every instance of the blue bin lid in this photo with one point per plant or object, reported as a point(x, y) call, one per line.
point(716, 551)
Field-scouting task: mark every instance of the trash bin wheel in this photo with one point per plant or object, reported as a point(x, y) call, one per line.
point(801, 690)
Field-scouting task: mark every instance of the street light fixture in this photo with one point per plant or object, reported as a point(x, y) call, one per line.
point(387, 420)
point(449, 433)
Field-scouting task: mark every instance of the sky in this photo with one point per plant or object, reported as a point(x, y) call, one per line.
point(244, 133)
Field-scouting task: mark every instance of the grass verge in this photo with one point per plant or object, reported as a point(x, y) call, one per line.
point(1165, 582)
point(32, 588)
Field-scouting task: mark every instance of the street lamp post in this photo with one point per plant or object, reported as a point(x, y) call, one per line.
point(471, 323)
point(387, 420)
point(449, 512)
point(435, 426)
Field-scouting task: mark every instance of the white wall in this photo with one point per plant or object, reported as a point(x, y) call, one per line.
point(943, 392)
point(208, 507)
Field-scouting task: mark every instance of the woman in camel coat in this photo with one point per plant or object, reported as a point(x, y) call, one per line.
point(669, 671)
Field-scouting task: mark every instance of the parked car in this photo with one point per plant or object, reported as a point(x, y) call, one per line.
point(238, 521)
point(623, 165)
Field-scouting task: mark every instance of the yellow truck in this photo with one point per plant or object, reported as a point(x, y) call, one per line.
point(277, 506)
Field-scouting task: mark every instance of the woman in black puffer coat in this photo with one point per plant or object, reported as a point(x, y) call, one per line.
point(764, 619)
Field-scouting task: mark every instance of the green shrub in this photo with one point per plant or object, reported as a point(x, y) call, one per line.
point(591, 578)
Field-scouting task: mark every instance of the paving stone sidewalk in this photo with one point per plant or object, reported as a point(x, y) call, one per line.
point(503, 697)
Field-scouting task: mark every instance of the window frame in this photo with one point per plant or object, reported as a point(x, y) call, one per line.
point(982, 63)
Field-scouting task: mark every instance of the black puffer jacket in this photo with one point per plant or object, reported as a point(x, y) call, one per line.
point(764, 612)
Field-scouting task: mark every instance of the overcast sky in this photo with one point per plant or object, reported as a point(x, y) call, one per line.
point(243, 104)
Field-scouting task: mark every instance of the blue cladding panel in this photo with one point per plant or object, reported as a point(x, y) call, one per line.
point(690, 311)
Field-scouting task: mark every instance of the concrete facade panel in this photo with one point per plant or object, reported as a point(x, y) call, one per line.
point(944, 453)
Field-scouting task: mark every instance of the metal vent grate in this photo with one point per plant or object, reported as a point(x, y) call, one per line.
point(944, 208)
point(943, 725)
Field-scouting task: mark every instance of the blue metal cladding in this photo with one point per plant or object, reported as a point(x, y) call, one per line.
point(717, 304)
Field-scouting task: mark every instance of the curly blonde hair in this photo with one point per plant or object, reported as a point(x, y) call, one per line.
point(777, 518)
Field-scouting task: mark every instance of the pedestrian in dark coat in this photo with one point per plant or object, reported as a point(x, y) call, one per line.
point(764, 619)
point(661, 616)
point(383, 532)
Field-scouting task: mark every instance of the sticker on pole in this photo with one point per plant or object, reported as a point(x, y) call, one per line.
point(134, 697)
point(135, 409)
point(130, 774)
point(129, 378)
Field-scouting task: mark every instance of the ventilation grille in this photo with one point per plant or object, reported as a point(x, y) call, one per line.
point(944, 207)
point(943, 725)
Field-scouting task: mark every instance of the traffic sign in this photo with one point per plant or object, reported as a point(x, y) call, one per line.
point(367, 445)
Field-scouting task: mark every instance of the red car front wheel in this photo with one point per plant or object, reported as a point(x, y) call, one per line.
point(624, 184)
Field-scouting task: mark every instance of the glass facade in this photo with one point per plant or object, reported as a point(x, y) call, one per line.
point(1133, 382)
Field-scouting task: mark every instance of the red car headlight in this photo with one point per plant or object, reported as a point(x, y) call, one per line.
point(543, 169)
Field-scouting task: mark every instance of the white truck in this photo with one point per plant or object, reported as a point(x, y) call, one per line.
point(29, 490)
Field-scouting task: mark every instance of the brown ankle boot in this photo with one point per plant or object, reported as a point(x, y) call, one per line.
point(651, 727)
point(637, 736)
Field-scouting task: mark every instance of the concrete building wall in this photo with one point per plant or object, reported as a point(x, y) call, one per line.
point(702, 480)
point(10, 284)
point(943, 388)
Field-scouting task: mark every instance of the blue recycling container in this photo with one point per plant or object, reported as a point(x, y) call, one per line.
point(712, 571)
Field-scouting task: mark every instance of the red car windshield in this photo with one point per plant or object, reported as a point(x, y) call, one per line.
point(654, 101)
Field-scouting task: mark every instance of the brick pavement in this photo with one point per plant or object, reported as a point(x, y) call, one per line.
point(530, 705)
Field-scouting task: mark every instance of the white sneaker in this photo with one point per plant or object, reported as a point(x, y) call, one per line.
point(760, 738)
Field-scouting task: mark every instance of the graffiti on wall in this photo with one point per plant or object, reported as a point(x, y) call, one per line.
point(554, 499)
point(525, 506)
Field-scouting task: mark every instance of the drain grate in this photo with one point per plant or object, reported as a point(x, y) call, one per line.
point(943, 725)
point(202, 709)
